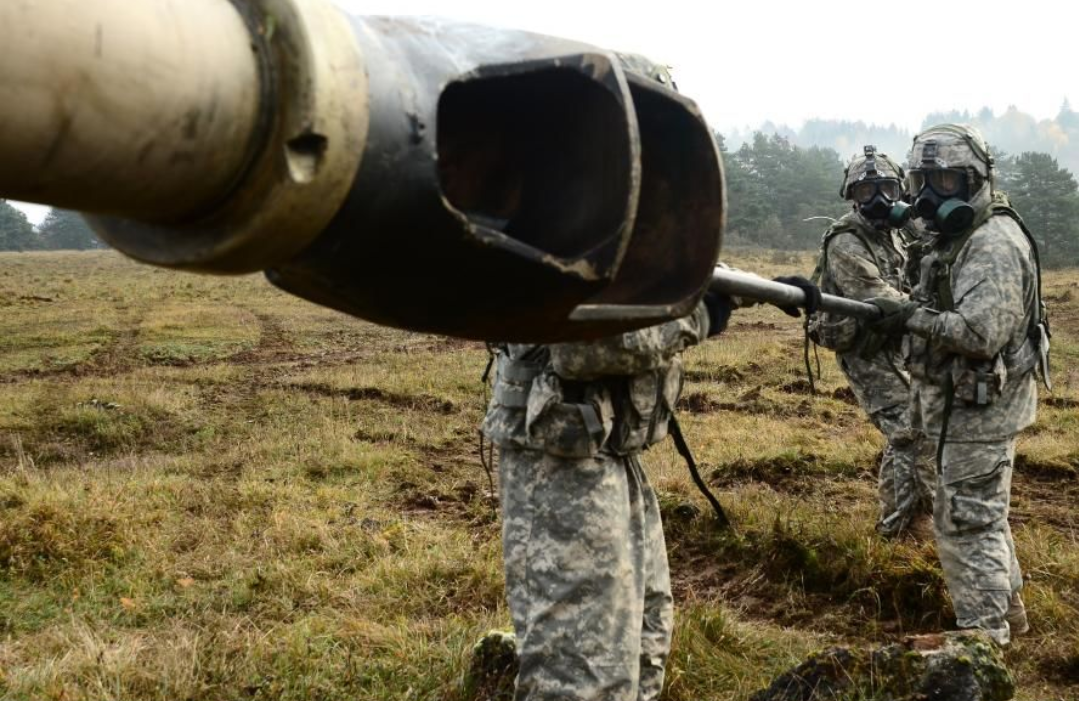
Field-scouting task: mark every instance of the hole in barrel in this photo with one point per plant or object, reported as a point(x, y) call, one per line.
point(543, 156)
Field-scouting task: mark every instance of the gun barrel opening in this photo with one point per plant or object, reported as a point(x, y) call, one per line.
point(680, 215)
point(542, 156)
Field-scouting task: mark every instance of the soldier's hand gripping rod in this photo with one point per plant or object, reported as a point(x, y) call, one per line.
point(747, 286)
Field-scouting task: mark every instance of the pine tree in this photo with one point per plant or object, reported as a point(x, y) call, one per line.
point(1047, 197)
point(63, 229)
point(16, 233)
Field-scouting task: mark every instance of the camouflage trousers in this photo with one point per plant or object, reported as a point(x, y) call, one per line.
point(586, 577)
point(907, 478)
point(974, 540)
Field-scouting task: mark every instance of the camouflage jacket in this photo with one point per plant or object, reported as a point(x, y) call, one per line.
point(869, 263)
point(574, 400)
point(857, 272)
point(993, 286)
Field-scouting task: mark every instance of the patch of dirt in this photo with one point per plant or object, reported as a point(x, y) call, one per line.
point(1061, 402)
point(1065, 469)
point(751, 402)
point(1063, 669)
point(760, 325)
point(795, 474)
point(721, 373)
point(466, 501)
point(845, 395)
point(785, 577)
point(1045, 493)
point(800, 386)
point(422, 402)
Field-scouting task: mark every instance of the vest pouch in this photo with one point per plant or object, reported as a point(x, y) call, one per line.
point(504, 423)
point(643, 407)
point(568, 429)
point(979, 382)
point(837, 333)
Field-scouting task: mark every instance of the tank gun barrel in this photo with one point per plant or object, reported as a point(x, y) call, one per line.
point(416, 172)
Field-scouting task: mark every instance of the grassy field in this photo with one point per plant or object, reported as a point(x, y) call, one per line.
point(211, 490)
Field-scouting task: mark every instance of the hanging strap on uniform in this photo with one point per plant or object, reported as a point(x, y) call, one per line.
point(805, 356)
point(687, 455)
point(949, 401)
point(487, 453)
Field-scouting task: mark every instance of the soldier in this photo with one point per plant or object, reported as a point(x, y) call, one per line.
point(585, 560)
point(863, 255)
point(978, 337)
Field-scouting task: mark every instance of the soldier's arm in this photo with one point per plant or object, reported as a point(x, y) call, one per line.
point(989, 299)
point(632, 352)
point(854, 271)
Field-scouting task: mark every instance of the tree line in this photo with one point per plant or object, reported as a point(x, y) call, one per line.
point(61, 230)
point(779, 193)
point(1012, 131)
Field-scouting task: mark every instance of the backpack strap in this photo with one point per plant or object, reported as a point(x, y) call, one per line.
point(957, 245)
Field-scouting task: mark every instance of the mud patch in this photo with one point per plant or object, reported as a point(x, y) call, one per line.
point(419, 402)
point(274, 344)
point(789, 472)
point(1062, 670)
point(466, 502)
point(721, 373)
point(1066, 468)
point(1061, 402)
point(845, 395)
point(794, 577)
point(751, 402)
point(800, 386)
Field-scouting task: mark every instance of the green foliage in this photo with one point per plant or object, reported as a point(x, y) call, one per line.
point(1047, 197)
point(774, 186)
point(63, 229)
point(16, 233)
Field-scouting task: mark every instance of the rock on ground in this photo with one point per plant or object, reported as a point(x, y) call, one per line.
point(962, 666)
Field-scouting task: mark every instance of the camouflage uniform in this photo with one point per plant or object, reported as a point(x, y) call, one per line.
point(862, 261)
point(585, 562)
point(978, 354)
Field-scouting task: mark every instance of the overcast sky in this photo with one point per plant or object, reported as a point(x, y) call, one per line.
point(754, 60)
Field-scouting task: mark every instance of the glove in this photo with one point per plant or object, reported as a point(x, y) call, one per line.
point(894, 314)
point(812, 294)
point(719, 311)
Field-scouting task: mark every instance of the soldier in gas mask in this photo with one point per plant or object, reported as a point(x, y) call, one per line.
point(863, 255)
point(978, 337)
point(585, 561)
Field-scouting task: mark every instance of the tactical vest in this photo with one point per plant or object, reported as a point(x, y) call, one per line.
point(533, 408)
point(980, 382)
point(840, 333)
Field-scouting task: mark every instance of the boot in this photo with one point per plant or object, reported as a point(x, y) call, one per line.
point(1017, 616)
point(920, 527)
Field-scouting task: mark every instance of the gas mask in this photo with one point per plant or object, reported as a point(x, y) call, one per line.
point(941, 199)
point(880, 201)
